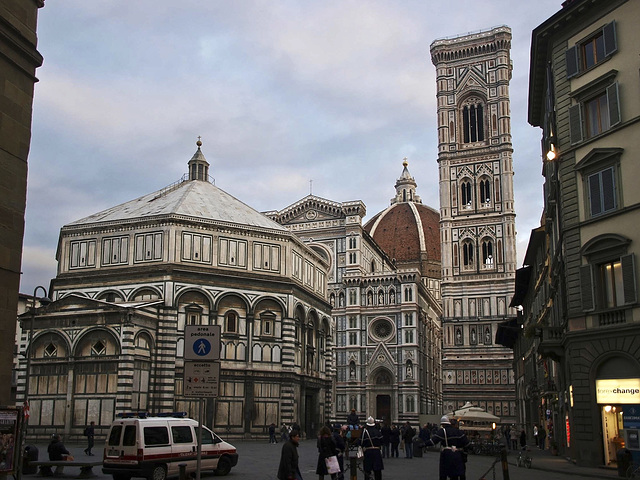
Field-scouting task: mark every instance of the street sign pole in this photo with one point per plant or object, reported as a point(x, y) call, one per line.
point(201, 370)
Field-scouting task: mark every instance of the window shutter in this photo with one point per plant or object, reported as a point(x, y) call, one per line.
point(586, 288)
point(572, 62)
point(595, 197)
point(610, 40)
point(575, 124)
point(629, 278)
point(614, 104)
point(608, 190)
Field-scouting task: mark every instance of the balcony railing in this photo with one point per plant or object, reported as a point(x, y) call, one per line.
point(612, 317)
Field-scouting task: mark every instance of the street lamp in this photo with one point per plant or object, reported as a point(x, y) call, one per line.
point(43, 301)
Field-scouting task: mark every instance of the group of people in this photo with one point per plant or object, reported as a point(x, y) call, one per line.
point(372, 441)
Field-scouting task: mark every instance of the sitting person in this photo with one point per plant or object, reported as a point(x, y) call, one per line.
point(57, 452)
point(353, 419)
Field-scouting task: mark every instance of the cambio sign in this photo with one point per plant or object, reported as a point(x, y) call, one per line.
point(624, 391)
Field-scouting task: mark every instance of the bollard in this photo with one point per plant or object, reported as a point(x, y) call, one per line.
point(183, 471)
point(505, 464)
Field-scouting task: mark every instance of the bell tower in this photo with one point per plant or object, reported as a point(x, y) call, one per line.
point(477, 217)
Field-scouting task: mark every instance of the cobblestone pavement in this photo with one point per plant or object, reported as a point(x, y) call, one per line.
point(259, 460)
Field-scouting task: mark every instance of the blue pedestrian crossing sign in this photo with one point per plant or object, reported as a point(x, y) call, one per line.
point(202, 342)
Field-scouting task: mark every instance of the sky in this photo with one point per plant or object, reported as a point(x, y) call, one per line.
point(289, 97)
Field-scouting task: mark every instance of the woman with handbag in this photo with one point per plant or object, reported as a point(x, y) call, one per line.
point(327, 460)
point(452, 441)
point(370, 441)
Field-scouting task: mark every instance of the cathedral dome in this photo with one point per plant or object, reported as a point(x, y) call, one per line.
point(407, 230)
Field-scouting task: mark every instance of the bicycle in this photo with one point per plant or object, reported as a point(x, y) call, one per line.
point(633, 471)
point(524, 459)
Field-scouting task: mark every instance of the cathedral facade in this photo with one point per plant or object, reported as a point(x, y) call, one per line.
point(477, 217)
point(383, 286)
point(131, 277)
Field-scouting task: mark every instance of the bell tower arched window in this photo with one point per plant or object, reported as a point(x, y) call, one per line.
point(467, 254)
point(485, 190)
point(487, 252)
point(473, 120)
point(465, 193)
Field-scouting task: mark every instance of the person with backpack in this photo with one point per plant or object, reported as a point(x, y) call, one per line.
point(89, 432)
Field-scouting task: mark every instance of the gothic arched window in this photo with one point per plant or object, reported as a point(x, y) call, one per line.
point(467, 253)
point(473, 121)
point(487, 252)
point(465, 193)
point(485, 190)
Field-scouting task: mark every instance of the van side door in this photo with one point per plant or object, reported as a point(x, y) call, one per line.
point(184, 446)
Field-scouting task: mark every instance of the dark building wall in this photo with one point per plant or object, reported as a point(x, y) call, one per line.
point(18, 62)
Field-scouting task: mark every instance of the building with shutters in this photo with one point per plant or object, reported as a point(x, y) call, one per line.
point(19, 60)
point(384, 289)
point(131, 277)
point(477, 218)
point(581, 359)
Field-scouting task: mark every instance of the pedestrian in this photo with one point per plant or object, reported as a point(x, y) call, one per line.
point(57, 451)
point(341, 446)
point(288, 468)
point(90, 433)
point(523, 439)
point(542, 436)
point(386, 440)
point(452, 457)
point(407, 436)
point(507, 436)
point(370, 441)
point(272, 433)
point(284, 433)
point(535, 434)
point(394, 440)
point(326, 449)
point(514, 438)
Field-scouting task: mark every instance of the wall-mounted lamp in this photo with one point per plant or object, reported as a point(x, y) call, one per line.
point(552, 154)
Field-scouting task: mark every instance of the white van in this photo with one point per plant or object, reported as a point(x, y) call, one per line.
point(154, 447)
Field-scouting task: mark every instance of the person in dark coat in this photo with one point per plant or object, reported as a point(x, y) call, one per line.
point(338, 439)
point(386, 440)
point(352, 418)
point(452, 441)
point(288, 468)
point(90, 433)
point(394, 440)
point(57, 451)
point(523, 439)
point(407, 435)
point(326, 449)
point(370, 441)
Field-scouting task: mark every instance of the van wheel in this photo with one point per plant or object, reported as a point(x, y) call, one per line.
point(159, 472)
point(224, 467)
